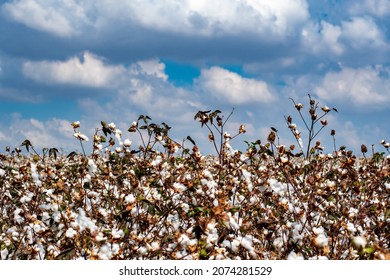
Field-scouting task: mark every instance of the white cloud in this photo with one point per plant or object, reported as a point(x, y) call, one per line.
point(232, 88)
point(152, 67)
point(89, 70)
point(272, 19)
point(366, 88)
point(363, 32)
point(42, 134)
point(360, 33)
point(379, 8)
point(53, 17)
point(208, 18)
point(322, 37)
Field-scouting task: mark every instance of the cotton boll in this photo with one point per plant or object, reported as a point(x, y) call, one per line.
point(359, 242)
point(92, 168)
point(4, 254)
point(35, 175)
point(70, 233)
point(351, 228)
point(116, 234)
point(129, 199)
point(294, 256)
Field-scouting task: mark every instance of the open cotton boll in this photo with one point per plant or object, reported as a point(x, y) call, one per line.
point(294, 256)
point(70, 233)
point(2, 172)
point(35, 175)
point(247, 243)
point(359, 242)
point(92, 168)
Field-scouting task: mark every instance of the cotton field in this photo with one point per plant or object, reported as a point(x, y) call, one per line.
point(122, 202)
point(250, 206)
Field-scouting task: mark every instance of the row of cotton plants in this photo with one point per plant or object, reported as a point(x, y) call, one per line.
point(164, 201)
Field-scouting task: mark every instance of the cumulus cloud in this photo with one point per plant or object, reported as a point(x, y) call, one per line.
point(56, 18)
point(152, 67)
point(379, 8)
point(360, 33)
point(230, 87)
point(322, 37)
point(42, 134)
point(190, 17)
point(208, 18)
point(89, 70)
point(366, 88)
point(363, 32)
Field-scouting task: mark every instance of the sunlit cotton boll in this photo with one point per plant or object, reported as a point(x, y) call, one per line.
point(2, 172)
point(294, 256)
point(246, 242)
point(35, 175)
point(80, 136)
point(157, 161)
point(70, 233)
point(127, 143)
point(92, 168)
point(359, 242)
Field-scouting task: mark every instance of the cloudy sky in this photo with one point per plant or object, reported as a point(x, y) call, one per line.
point(87, 61)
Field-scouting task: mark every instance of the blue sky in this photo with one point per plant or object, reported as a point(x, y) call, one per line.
point(87, 61)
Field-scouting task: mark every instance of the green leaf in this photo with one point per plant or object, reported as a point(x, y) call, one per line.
point(369, 250)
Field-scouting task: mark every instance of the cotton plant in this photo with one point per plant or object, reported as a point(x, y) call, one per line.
point(162, 200)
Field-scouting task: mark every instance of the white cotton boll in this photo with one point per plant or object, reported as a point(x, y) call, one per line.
point(142, 250)
point(321, 241)
point(207, 174)
point(318, 230)
point(233, 223)
point(129, 199)
point(2, 173)
point(351, 228)
point(294, 256)
point(105, 252)
point(246, 242)
point(277, 187)
point(70, 233)
point(157, 161)
point(19, 219)
point(35, 175)
point(352, 212)
point(183, 239)
point(92, 168)
point(4, 254)
point(26, 198)
point(179, 187)
point(127, 143)
point(235, 245)
point(359, 242)
point(116, 234)
point(85, 222)
point(278, 243)
point(185, 207)
point(297, 236)
point(100, 237)
point(155, 246)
